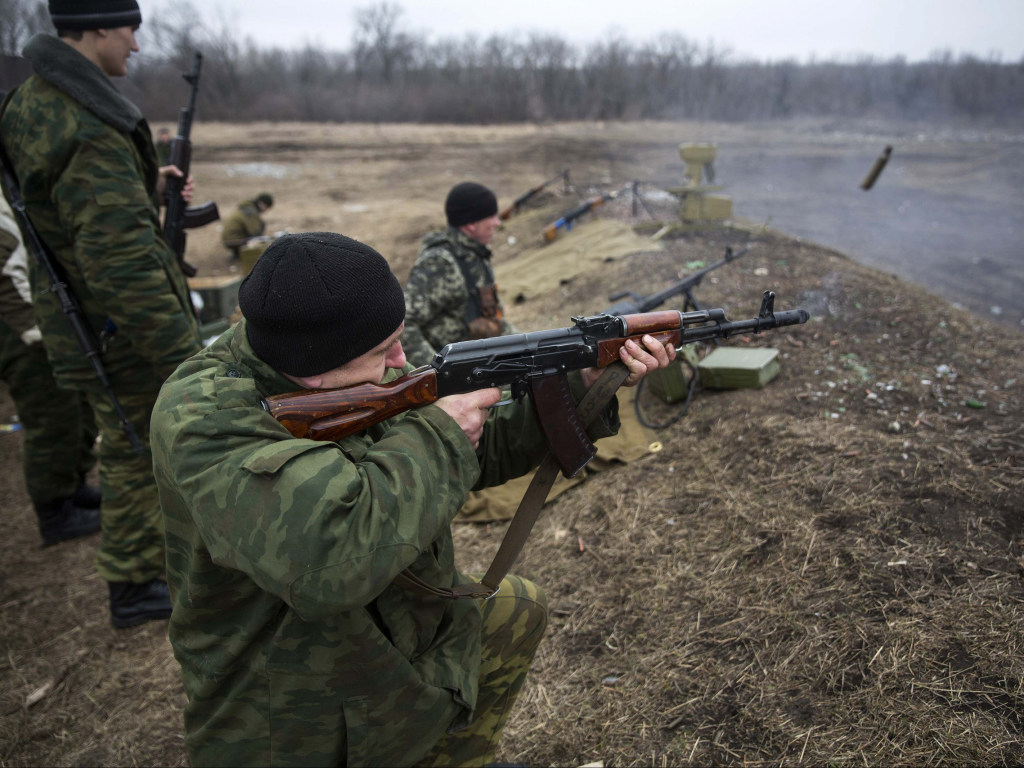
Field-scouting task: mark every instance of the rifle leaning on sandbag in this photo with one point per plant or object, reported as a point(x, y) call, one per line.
point(527, 362)
point(568, 220)
point(689, 358)
point(180, 216)
point(520, 201)
point(68, 303)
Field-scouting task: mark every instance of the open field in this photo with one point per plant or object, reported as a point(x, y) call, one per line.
point(828, 570)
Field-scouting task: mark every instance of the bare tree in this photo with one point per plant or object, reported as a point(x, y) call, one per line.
point(21, 20)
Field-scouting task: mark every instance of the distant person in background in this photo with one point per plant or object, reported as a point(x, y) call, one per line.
point(451, 295)
point(58, 425)
point(84, 159)
point(245, 222)
point(163, 147)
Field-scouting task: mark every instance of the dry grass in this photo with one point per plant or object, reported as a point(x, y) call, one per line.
point(793, 580)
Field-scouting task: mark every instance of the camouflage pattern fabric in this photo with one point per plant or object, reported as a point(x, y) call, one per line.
point(512, 626)
point(295, 647)
point(437, 294)
point(241, 224)
point(88, 176)
point(89, 186)
point(15, 292)
point(58, 425)
point(132, 547)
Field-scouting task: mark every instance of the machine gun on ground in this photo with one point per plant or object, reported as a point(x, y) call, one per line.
point(683, 287)
point(688, 356)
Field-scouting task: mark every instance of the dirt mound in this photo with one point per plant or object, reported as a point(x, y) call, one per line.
point(826, 570)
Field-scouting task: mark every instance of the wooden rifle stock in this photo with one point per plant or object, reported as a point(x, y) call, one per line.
point(331, 414)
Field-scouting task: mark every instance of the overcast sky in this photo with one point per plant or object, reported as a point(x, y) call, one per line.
point(757, 29)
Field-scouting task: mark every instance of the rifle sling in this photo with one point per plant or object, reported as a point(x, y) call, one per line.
point(529, 508)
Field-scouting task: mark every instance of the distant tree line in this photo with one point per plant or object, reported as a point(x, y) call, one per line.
point(389, 74)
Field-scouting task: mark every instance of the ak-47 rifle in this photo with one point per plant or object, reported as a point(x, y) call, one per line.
point(526, 362)
point(518, 203)
point(179, 216)
point(59, 286)
point(684, 287)
point(567, 220)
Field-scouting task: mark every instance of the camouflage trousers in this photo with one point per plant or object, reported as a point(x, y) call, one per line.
point(132, 547)
point(57, 424)
point(513, 625)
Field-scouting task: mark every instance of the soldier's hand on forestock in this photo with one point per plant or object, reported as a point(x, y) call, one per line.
point(640, 360)
point(470, 410)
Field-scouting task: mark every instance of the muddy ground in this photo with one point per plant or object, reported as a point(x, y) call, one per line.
point(826, 570)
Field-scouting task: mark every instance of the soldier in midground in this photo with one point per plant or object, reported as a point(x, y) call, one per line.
point(87, 168)
point(295, 645)
point(163, 146)
point(60, 432)
point(245, 222)
point(451, 295)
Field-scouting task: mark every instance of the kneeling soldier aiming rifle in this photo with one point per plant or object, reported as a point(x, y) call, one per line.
point(318, 613)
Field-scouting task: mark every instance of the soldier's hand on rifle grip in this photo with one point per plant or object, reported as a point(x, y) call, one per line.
point(470, 411)
point(638, 360)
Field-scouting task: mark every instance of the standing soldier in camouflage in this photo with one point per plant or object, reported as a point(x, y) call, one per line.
point(451, 295)
point(245, 223)
point(295, 645)
point(85, 161)
point(163, 146)
point(59, 429)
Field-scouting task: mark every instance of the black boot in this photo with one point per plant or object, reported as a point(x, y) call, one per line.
point(132, 604)
point(87, 496)
point(62, 519)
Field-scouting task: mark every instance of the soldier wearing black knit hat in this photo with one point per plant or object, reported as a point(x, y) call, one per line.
point(451, 294)
point(90, 181)
point(76, 15)
point(284, 554)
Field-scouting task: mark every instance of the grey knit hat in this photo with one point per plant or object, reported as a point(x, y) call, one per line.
point(317, 300)
point(94, 14)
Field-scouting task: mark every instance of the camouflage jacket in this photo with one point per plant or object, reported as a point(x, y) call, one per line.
point(15, 296)
point(437, 296)
point(241, 224)
point(85, 161)
point(295, 647)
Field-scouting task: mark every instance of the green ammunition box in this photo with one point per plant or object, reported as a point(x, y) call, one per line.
point(673, 383)
point(700, 207)
point(219, 294)
point(738, 368)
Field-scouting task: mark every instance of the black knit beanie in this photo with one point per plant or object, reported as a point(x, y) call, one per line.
point(94, 14)
point(316, 300)
point(469, 202)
